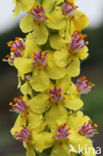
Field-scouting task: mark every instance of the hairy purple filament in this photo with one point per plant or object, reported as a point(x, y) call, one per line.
point(68, 9)
point(56, 94)
point(24, 134)
point(16, 47)
point(77, 41)
point(39, 59)
point(38, 13)
point(87, 130)
point(19, 106)
point(62, 133)
point(83, 85)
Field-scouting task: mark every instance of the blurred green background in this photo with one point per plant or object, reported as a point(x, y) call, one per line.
point(92, 68)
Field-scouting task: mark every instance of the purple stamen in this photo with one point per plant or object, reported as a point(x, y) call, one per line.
point(16, 47)
point(24, 134)
point(61, 133)
point(77, 41)
point(68, 9)
point(39, 59)
point(38, 13)
point(87, 130)
point(19, 106)
point(56, 94)
point(83, 85)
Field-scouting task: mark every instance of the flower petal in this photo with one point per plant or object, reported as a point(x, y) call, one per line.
point(55, 116)
point(83, 53)
point(30, 46)
point(40, 81)
point(23, 65)
point(56, 20)
point(80, 20)
point(73, 103)
point(40, 34)
point(35, 121)
point(74, 68)
point(61, 58)
point(64, 82)
point(39, 106)
point(53, 70)
point(26, 89)
point(57, 42)
point(27, 24)
point(30, 151)
point(59, 150)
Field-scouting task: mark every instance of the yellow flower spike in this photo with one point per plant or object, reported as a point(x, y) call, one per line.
point(21, 5)
point(49, 56)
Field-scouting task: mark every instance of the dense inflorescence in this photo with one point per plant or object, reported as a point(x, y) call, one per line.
point(49, 110)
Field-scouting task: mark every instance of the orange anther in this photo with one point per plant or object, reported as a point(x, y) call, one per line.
point(10, 103)
point(17, 38)
point(13, 49)
point(83, 78)
point(19, 139)
point(22, 130)
point(86, 42)
point(15, 99)
point(10, 43)
point(51, 95)
point(15, 133)
point(69, 133)
point(90, 122)
point(21, 98)
point(60, 93)
point(58, 134)
point(85, 35)
point(95, 130)
point(90, 84)
point(90, 128)
point(7, 56)
point(65, 124)
point(95, 125)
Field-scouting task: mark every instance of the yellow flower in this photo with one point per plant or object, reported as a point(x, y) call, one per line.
point(41, 67)
point(56, 102)
point(63, 137)
point(31, 139)
point(36, 21)
point(67, 18)
point(21, 5)
point(69, 53)
point(85, 129)
point(34, 120)
point(53, 17)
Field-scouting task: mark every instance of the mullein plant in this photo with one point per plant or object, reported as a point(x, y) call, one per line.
point(50, 120)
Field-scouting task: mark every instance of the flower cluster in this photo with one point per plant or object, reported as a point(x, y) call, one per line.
point(50, 115)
